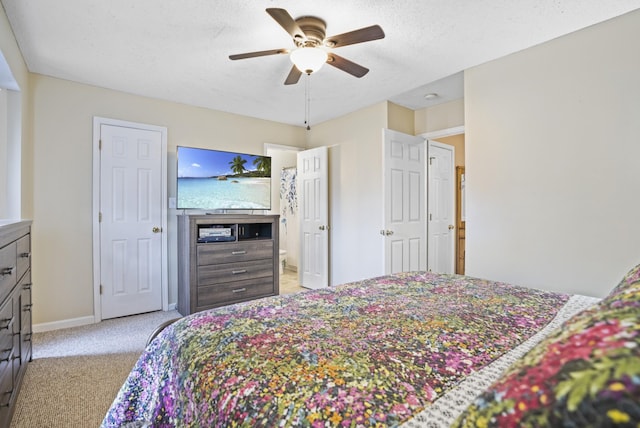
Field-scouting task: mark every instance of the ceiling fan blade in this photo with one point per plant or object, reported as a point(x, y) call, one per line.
point(366, 34)
point(285, 20)
point(345, 65)
point(259, 53)
point(293, 77)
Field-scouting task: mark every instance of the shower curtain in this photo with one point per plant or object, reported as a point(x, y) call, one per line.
point(289, 215)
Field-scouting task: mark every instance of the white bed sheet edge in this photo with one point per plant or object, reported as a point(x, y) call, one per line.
point(444, 411)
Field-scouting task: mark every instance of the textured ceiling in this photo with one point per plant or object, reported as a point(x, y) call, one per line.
point(178, 50)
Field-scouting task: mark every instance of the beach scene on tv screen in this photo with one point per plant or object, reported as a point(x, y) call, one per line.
point(211, 179)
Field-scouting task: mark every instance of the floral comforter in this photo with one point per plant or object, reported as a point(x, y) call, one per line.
point(370, 353)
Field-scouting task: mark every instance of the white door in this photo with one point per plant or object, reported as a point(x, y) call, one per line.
point(130, 220)
point(313, 188)
point(404, 190)
point(441, 208)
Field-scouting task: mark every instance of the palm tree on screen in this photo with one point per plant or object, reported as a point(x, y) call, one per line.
point(237, 164)
point(263, 163)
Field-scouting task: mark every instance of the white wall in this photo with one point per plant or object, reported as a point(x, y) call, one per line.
point(4, 145)
point(355, 191)
point(439, 117)
point(16, 160)
point(552, 146)
point(62, 175)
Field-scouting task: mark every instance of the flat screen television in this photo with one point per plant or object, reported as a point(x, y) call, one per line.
point(219, 180)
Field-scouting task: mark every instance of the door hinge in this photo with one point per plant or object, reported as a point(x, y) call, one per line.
point(430, 217)
point(99, 217)
point(431, 160)
point(100, 144)
point(100, 289)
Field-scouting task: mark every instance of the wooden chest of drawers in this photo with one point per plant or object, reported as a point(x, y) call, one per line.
point(15, 312)
point(225, 259)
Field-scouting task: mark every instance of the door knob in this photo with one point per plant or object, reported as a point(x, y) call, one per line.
point(386, 232)
point(156, 229)
point(451, 227)
point(323, 227)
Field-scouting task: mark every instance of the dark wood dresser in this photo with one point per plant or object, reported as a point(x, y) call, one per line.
point(225, 259)
point(15, 311)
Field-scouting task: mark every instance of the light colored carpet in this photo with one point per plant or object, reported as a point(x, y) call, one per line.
point(76, 373)
point(71, 391)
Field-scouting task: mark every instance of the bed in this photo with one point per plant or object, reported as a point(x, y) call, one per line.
point(410, 349)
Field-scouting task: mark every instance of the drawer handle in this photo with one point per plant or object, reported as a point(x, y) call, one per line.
point(25, 255)
point(237, 253)
point(9, 357)
point(239, 290)
point(237, 272)
point(5, 323)
point(27, 337)
point(7, 271)
point(27, 308)
point(27, 286)
point(9, 392)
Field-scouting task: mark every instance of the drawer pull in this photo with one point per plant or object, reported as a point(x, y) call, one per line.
point(27, 337)
point(237, 272)
point(7, 271)
point(27, 308)
point(5, 323)
point(239, 290)
point(238, 253)
point(9, 357)
point(25, 255)
point(27, 286)
point(9, 392)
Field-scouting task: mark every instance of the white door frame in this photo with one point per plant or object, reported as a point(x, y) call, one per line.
point(448, 132)
point(97, 122)
point(269, 148)
point(451, 209)
point(434, 135)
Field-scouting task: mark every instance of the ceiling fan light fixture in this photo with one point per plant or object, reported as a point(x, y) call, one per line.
point(308, 59)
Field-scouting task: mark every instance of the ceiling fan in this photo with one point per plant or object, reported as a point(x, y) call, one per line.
point(308, 33)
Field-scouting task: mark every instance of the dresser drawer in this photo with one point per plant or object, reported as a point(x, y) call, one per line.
point(8, 271)
point(237, 252)
point(232, 292)
point(211, 274)
point(6, 387)
point(24, 288)
point(23, 255)
point(6, 333)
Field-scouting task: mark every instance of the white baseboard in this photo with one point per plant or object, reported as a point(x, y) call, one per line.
point(75, 322)
point(57, 325)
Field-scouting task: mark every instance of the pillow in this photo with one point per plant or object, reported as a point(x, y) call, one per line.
point(586, 373)
point(630, 280)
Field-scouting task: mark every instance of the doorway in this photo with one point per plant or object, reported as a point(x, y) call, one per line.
point(441, 197)
point(455, 137)
point(130, 218)
point(289, 201)
point(284, 201)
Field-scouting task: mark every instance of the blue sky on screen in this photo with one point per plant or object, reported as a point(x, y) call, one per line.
point(195, 162)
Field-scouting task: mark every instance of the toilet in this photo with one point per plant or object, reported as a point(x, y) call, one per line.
point(283, 260)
